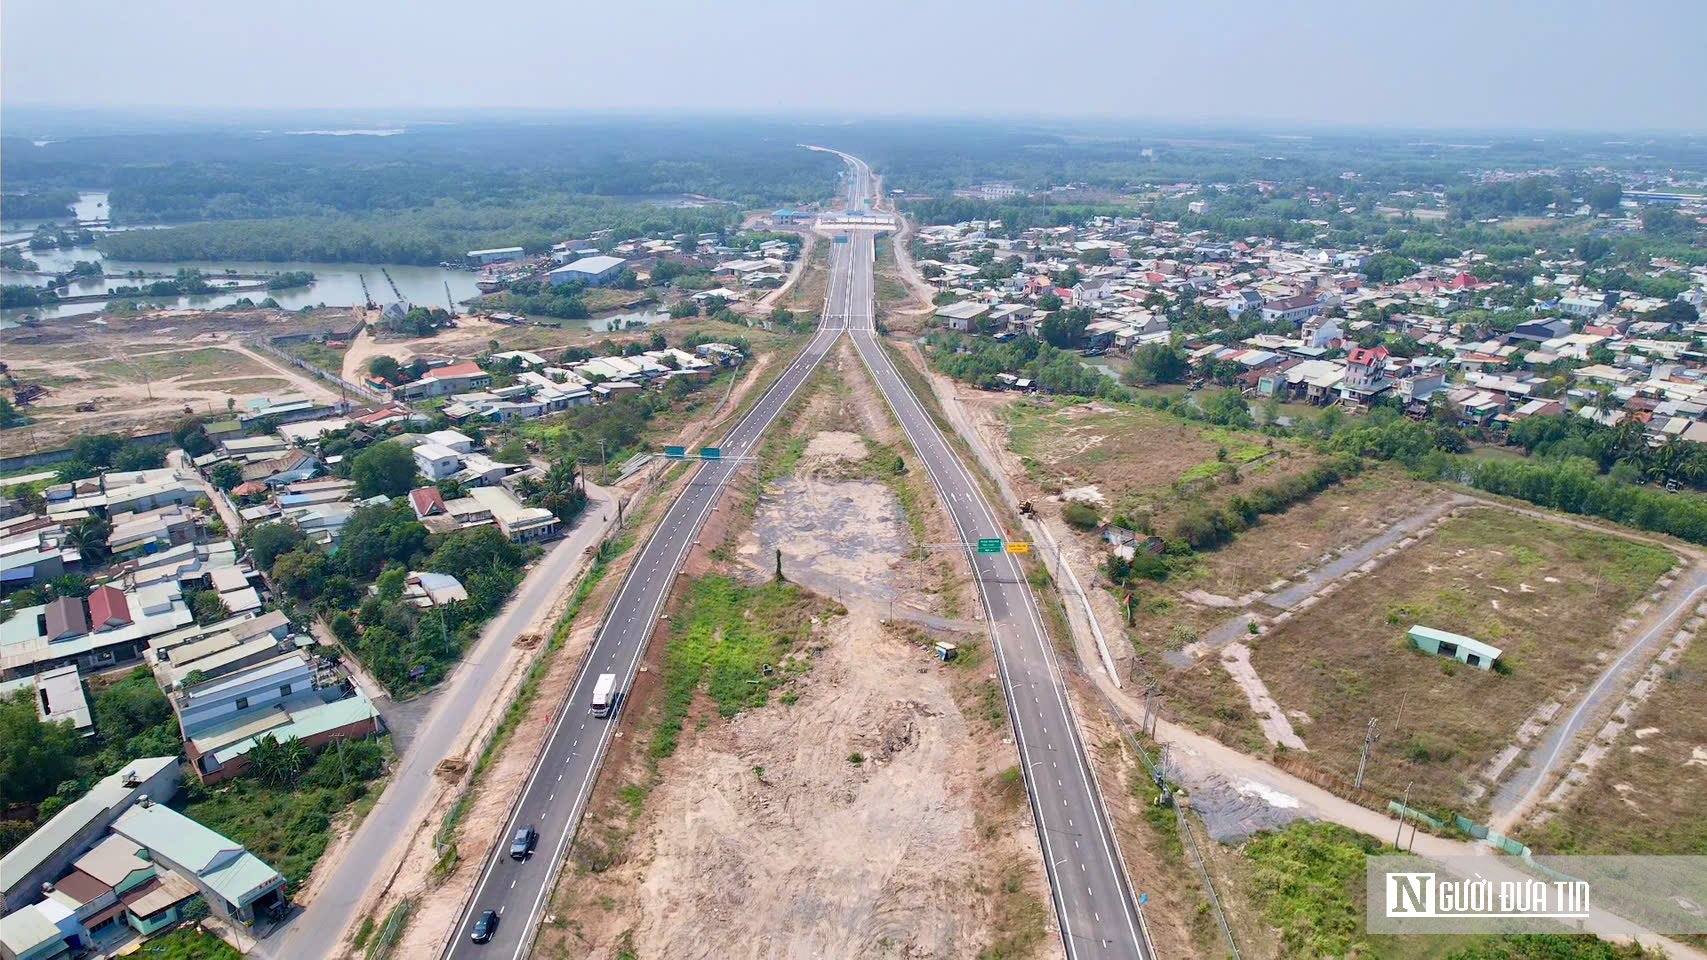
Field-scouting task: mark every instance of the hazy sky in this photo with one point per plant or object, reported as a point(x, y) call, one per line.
point(1576, 64)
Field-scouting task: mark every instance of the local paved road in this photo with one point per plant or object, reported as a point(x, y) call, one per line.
point(315, 930)
point(556, 792)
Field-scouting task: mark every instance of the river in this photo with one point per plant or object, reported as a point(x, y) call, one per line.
point(335, 284)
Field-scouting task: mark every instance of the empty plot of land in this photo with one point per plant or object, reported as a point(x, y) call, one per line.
point(1302, 536)
point(1645, 794)
point(1139, 463)
point(1550, 595)
point(118, 384)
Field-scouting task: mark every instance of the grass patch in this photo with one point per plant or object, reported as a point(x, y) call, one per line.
point(1020, 918)
point(1308, 880)
point(737, 643)
point(289, 825)
point(326, 358)
point(187, 943)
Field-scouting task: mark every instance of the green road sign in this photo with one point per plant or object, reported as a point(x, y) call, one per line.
point(990, 545)
point(710, 453)
point(676, 453)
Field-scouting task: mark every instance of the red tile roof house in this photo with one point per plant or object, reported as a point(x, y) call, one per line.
point(107, 608)
point(426, 502)
point(1365, 374)
point(452, 378)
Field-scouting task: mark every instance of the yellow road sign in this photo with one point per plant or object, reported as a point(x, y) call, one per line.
point(1019, 548)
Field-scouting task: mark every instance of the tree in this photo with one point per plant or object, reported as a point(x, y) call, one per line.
point(192, 438)
point(133, 457)
point(1604, 197)
point(1065, 328)
point(27, 496)
point(89, 538)
point(1228, 408)
point(270, 540)
point(383, 469)
point(226, 474)
point(9, 416)
point(386, 368)
point(1157, 363)
point(559, 492)
point(208, 607)
point(300, 572)
point(35, 757)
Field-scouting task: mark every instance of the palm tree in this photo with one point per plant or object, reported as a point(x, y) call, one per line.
point(558, 491)
point(1604, 402)
point(89, 538)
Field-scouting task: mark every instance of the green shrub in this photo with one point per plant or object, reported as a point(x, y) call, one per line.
point(1081, 516)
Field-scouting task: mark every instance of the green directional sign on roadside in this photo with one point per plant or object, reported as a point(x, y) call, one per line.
point(676, 453)
point(990, 545)
point(710, 453)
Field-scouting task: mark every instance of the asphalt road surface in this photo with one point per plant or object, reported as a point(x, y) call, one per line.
point(1088, 882)
point(556, 792)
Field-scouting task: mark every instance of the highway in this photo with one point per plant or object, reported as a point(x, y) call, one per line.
point(556, 792)
point(1088, 883)
point(314, 931)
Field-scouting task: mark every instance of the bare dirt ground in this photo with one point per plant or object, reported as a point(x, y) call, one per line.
point(139, 375)
point(875, 809)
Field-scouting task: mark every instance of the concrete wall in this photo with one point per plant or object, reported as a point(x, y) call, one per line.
point(367, 726)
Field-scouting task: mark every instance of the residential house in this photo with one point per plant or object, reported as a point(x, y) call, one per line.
point(962, 316)
point(235, 883)
point(451, 378)
point(518, 522)
point(279, 696)
point(1294, 309)
point(49, 851)
point(1365, 375)
point(436, 462)
point(63, 631)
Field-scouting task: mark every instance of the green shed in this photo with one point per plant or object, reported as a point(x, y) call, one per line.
point(1461, 648)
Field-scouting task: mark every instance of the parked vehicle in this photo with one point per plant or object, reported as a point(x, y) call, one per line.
point(604, 695)
point(485, 926)
point(523, 844)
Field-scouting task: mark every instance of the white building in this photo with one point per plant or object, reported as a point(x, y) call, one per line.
point(436, 461)
point(592, 271)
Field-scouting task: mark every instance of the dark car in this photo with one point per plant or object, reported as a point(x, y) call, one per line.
point(484, 926)
point(522, 845)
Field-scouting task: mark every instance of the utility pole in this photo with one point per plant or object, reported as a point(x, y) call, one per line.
point(1369, 739)
point(1150, 711)
point(604, 466)
point(1404, 806)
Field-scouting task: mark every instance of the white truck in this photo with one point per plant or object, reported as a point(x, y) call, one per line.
point(604, 694)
